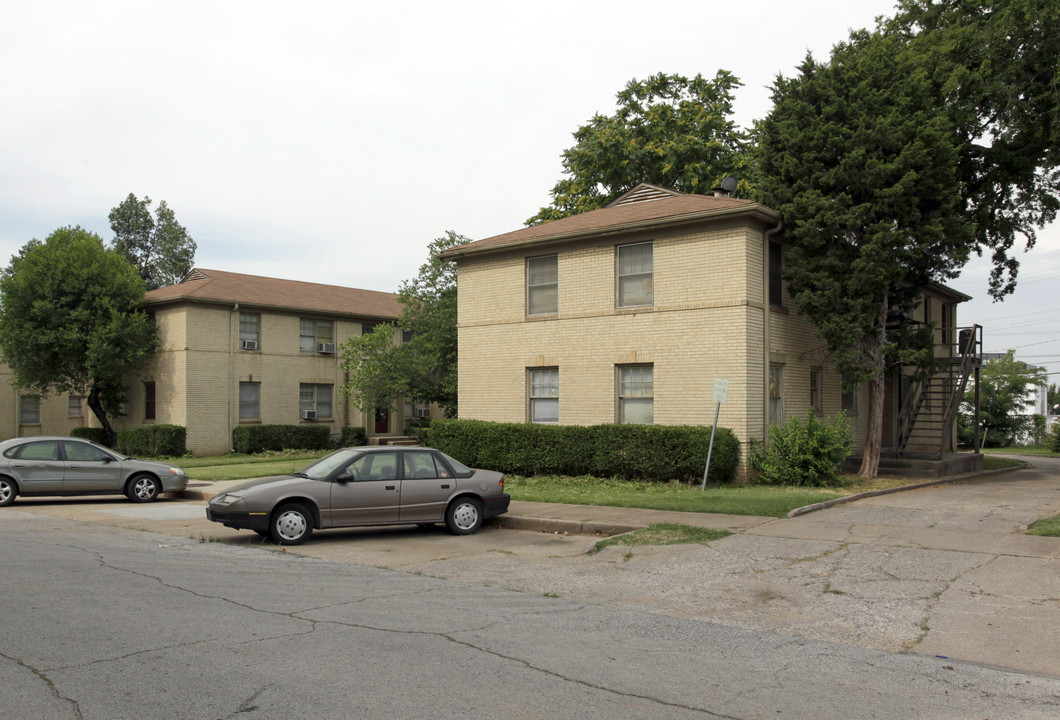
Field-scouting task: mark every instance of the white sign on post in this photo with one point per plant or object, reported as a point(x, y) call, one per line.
point(721, 391)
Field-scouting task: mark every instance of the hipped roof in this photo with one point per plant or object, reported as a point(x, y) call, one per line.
point(644, 207)
point(218, 286)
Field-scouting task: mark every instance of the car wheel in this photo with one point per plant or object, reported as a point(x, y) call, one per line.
point(463, 516)
point(144, 488)
point(291, 525)
point(8, 491)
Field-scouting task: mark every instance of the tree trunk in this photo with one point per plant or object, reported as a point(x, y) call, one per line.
point(870, 458)
point(101, 415)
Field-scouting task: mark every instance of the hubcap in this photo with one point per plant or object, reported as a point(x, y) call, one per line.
point(5, 491)
point(291, 525)
point(466, 516)
point(144, 488)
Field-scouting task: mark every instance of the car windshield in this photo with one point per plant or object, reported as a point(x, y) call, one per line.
point(325, 466)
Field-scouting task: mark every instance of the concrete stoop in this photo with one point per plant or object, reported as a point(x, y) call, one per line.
point(913, 465)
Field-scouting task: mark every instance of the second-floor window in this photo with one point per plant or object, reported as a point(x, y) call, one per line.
point(542, 285)
point(634, 273)
point(29, 410)
point(249, 331)
point(776, 269)
point(314, 332)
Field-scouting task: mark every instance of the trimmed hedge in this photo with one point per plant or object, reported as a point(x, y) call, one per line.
point(154, 441)
point(353, 436)
point(96, 435)
point(251, 439)
point(643, 452)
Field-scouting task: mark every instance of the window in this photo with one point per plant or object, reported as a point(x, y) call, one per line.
point(776, 283)
point(423, 465)
point(249, 401)
point(542, 285)
point(83, 452)
point(249, 331)
point(312, 332)
point(375, 466)
point(149, 401)
point(316, 398)
point(850, 395)
point(635, 275)
point(636, 396)
point(29, 410)
point(815, 390)
point(73, 407)
point(776, 394)
point(544, 395)
point(406, 336)
point(368, 327)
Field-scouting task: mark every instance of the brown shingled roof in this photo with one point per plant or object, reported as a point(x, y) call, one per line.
point(671, 208)
point(218, 286)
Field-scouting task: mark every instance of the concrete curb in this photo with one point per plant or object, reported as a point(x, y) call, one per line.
point(900, 488)
point(561, 527)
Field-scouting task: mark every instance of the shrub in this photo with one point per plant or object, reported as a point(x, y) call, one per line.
point(804, 455)
point(353, 436)
point(260, 438)
point(1056, 436)
point(154, 441)
point(96, 435)
point(643, 452)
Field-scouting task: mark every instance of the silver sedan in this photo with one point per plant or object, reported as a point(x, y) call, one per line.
point(37, 466)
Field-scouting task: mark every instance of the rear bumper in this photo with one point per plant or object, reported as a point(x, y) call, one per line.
point(496, 506)
point(239, 520)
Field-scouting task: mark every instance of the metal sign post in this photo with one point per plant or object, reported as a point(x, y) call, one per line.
point(721, 391)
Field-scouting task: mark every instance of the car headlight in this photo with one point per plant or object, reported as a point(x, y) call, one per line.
point(224, 499)
point(176, 471)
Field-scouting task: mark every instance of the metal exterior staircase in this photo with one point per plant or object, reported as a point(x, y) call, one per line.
point(930, 408)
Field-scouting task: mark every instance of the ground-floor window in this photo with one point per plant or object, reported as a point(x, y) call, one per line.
point(636, 394)
point(850, 395)
point(544, 395)
point(29, 410)
point(73, 407)
point(149, 401)
point(315, 399)
point(815, 390)
point(249, 401)
point(776, 394)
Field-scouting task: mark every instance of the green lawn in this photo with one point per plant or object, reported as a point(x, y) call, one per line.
point(242, 467)
point(1049, 527)
point(1041, 450)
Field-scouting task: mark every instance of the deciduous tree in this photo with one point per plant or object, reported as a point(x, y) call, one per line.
point(668, 129)
point(72, 320)
point(1006, 388)
point(159, 247)
point(423, 367)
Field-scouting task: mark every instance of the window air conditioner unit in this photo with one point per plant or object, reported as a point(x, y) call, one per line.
point(326, 348)
point(309, 414)
point(248, 344)
point(423, 412)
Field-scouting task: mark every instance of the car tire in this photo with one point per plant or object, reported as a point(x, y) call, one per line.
point(291, 524)
point(143, 488)
point(8, 491)
point(463, 516)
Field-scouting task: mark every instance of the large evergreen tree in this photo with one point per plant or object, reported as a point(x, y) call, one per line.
point(72, 320)
point(668, 129)
point(159, 247)
point(861, 160)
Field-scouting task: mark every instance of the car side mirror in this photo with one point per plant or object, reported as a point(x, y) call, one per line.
point(345, 477)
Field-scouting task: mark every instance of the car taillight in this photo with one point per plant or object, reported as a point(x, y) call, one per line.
point(501, 483)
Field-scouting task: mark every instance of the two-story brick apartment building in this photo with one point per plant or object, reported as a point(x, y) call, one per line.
point(234, 349)
point(630, 313)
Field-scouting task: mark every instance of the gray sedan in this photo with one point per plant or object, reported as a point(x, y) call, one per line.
point(72, 466)
point(364, 486)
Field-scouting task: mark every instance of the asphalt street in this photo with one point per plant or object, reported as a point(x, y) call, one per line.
point(929, 603)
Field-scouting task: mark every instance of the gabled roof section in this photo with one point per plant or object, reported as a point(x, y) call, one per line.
point(645, 207)
point(217, 286)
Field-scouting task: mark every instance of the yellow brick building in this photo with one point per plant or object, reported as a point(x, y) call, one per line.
point(632, 312)
point(233, 349)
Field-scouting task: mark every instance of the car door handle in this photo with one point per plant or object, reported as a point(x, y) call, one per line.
point(391, 487)
point(445, 487)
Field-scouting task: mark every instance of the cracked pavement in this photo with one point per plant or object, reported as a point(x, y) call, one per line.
point(893, 606)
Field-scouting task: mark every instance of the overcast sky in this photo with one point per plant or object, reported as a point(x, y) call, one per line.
point(332, 141)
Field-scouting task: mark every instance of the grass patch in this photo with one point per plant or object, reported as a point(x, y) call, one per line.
point(761, 500)
point(1000, 463)
point(663, 534)
point(1043, 450)
point(243, 467)
point(1048, 527)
